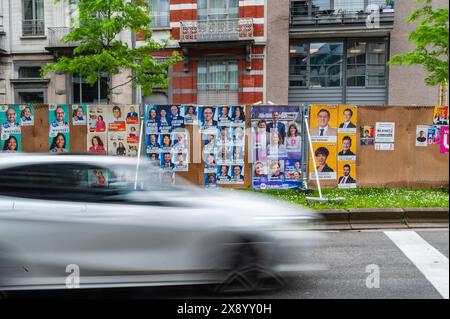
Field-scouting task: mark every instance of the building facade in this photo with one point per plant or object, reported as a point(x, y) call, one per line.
point(336, 51)
point(234, 52)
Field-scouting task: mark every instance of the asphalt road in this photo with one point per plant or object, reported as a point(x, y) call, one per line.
point(346, 255)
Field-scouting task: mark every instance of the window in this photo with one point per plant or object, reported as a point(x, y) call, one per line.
point(36, 97)
point(366, 64)
point(29, 72)
point(322, 64)
point(160, 13)
point(33, 17)
point(84, 93)
point(217, 9)
point(217, 75)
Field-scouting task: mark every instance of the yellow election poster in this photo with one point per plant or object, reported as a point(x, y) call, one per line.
point(325, 155)
point(347, 174)
point(346, 160)
point(324, 136)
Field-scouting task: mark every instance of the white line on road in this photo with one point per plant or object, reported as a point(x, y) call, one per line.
point(433, 265)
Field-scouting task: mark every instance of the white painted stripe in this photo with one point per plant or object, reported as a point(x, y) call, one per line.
point(433, 264)
point(175, 24)
point(246, 3)
point(183, 6)
point(251, 90)
point(261, 40)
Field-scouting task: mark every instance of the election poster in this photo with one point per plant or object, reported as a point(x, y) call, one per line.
point(444, 140)
point(189, 112)
point(26, 115)
point(208, 119)
point(421, 135)
point(97, 117)
point(434, 135)
point(97, 143)
point(167, 140)
point(79, 114)
point(325, 123)
point(276, 147)
point(384, 136)
point(347, 174)
point(59, 137)
point(441, 116)
point(98, 178)
point(9, 119)
point(11, 142)
point(366, 135)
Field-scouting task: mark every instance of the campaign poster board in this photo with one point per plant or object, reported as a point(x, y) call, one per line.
point(324, 127)
point(223, 133)
point(276, 144)
point(385, 136)
point(347, 146)
point(59, 135)
point(113, 130)
point(167, 139)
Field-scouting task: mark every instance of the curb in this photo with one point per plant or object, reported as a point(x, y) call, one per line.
point(370, 218)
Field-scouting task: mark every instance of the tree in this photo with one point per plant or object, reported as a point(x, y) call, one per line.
point(430, 39)
point(100, 49)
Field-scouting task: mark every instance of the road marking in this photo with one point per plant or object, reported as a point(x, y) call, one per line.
point(431, 263)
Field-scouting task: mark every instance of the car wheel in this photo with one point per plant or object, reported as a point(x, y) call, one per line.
point(248, 273)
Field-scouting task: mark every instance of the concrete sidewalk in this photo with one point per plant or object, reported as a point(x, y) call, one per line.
point(375, 218)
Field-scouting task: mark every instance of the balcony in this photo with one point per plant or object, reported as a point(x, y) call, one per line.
point(56, 45)
point(33, 28)
point(340, 15)
point(216, 31)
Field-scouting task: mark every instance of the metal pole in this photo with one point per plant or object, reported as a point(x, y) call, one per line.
point(313, 158)
point(138, 164)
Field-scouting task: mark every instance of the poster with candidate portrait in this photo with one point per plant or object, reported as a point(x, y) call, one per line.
point(207, 119)
point(276, 144)
point(347, 174)
point(325, 155)
point(116, 118)
point(366, 135)
point(9, 119)
point(97, 143)
point(26, 115)
point(11, 142)
point(190, 114)
point(97, 117)
point(323, 123)
point(421, 135)
point(79, 114)
point(59, 136)
point(441, 116)
point(347, 119)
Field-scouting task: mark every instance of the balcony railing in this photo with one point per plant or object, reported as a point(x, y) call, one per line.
point(339, 12)
point(33, 27)
point(216, 30)
point(55, 34)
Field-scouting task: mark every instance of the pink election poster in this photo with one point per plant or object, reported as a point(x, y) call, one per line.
point(444, 140)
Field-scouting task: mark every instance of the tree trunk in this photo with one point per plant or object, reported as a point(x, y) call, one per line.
point(443, 94)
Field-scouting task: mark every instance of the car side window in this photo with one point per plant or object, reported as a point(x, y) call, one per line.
point(60, 181)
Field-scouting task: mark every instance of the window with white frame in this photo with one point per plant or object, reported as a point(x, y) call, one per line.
point(217, 9)
point(33, 17)
point(160, 13)
point(217, 75)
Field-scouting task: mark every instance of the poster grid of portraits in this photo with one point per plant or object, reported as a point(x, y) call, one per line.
point(223, 134)
point(113, 129)
point(167, 139)
point(276, 147)
point(333, 130)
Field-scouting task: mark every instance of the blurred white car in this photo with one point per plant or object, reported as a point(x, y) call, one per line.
point(92, 221)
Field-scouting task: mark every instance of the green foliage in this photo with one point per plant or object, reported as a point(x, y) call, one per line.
point(97, 31)
point(431, 43)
